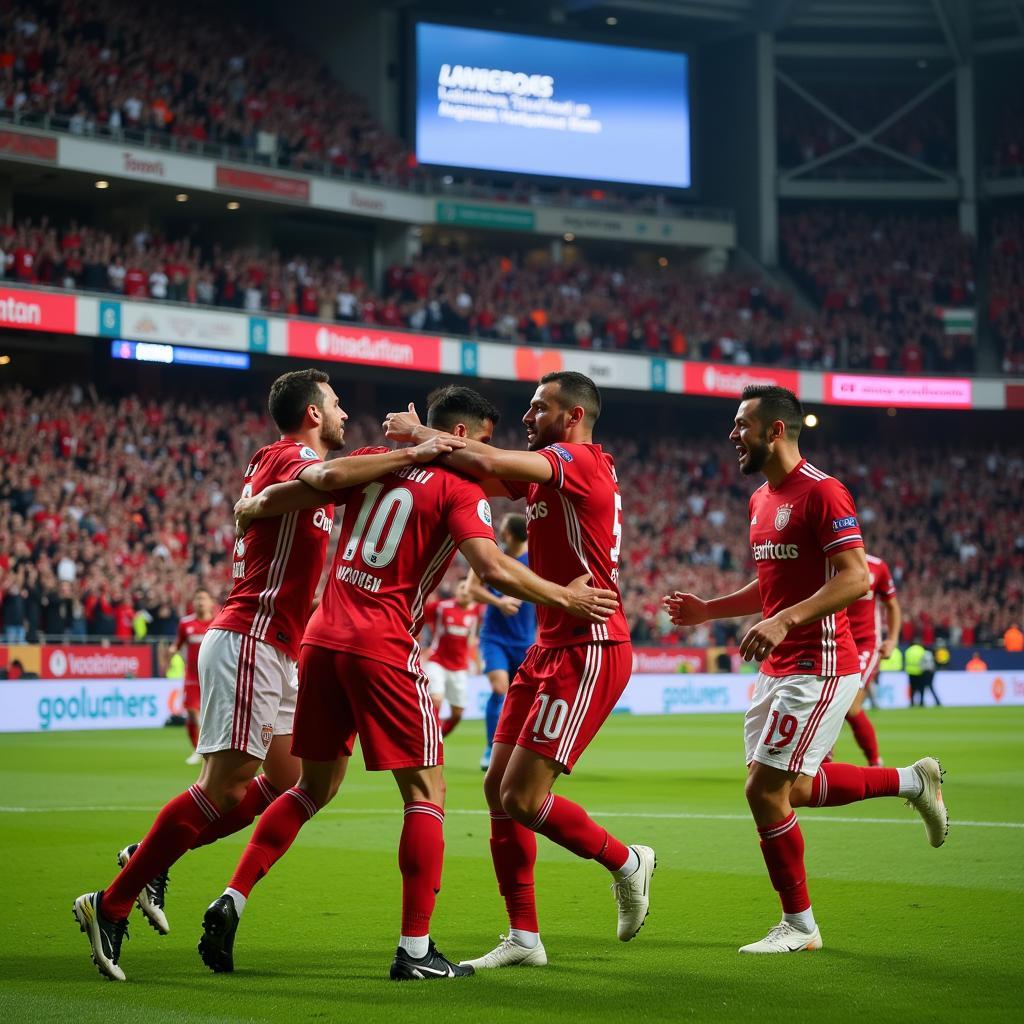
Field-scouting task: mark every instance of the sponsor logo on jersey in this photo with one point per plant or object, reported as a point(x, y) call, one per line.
point(323, 521)
point(769, 551)
point(561, 453)
point(483, 510)
point(305, 452)
point(844, 524)
point(782, 517)
point(538, 510)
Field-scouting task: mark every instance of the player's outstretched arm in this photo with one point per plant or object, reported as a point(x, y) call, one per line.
point(511, 577)
point(690, 610)
point(505, 604)
point(476, 459)
point(850, 583)
point(275, 500)
point(347, 471)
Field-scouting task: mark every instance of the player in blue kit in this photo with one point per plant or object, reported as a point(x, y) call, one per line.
point(509, 628)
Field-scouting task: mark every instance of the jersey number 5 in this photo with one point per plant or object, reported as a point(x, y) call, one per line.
point(392, 512)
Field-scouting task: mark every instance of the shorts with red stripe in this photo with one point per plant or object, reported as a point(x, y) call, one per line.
point(192, 695)
point(794, 721)
point(343, 695)
point(869, 658)
point(248, 693)
point(561, 697)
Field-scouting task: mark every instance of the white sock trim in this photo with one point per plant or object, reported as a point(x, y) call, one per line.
point(911, 785)
point(632, 864)
point(528, 940)
point(803, 920)
point(238, 899)
point(415, 945)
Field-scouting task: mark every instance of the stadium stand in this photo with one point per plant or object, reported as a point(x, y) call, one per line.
point(1006, 289)
point(109, 508)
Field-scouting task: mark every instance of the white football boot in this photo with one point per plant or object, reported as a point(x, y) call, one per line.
point(784, 938)
point(508, 953)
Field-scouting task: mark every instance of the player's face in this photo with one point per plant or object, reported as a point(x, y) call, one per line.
point(547, 420)
point(202, 604)
point(332, 427)
point(750, 437)
point(462, 594)
point(482, 433)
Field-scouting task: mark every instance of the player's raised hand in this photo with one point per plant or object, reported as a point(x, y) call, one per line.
point(439, 444)
point(762, 638)
point(685, 609)
point(586, 602)
point(245, 512)
point(508, 606)
point(401, 426)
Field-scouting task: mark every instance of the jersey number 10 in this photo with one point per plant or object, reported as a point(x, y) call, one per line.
point(379, 549)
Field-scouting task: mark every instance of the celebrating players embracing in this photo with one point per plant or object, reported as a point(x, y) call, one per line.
point(360, 675)
point(574, 674)
point(805, 539)
point(246, 661)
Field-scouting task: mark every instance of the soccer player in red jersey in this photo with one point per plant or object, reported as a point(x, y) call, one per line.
point(865, 617)
point(453, 627)
point(246, 661)
point(574, 674)
point(191, 630)
point(805, 540)
point(359, 673)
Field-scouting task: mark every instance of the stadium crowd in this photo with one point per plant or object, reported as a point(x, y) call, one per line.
point(1008, 141)
point(881, 279)
point(113, 511)
point(1006, 289)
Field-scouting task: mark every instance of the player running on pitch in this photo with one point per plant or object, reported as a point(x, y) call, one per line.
point(191, 630)
point(359, 674)
point(453, 627)
point(509, 628)
point(574, 674)
point(865, 617)
point(246, 661)
point(806, 541)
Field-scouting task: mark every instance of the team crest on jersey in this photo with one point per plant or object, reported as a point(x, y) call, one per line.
point(266, 734)
point(483, 510)
point(782, 517)
point(561, 453)
point(305, 452)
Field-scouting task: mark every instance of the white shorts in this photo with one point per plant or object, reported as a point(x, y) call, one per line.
point(868, 665)
point(248, 693)
point(794, 721)
point(451, 684)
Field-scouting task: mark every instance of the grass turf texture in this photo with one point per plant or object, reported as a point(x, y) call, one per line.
point(910, 933)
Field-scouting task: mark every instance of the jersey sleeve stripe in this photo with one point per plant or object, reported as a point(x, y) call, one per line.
point(850, 538)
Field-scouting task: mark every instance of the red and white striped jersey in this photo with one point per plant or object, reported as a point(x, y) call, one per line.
point(795, 528)
point(188, 641)
point(277, 563)
point(452, 632)
point(399, 534)
point(574, 525)
point(865, 615)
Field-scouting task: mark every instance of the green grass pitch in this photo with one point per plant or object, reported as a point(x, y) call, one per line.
point(910, 933)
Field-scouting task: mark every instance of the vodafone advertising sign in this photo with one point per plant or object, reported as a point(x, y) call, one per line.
point(37, 311)
point(352, 344)
point(902, 392)
point(729, 381)
point(94, 662)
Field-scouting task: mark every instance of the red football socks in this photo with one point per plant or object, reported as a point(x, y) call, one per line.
point(782, 846)
point(258, 797)
point(279, 825)
point(170, 836)
point(838, 784)
point(865, 735)
point(514, 852)
point(420, 857)
point(567, 824)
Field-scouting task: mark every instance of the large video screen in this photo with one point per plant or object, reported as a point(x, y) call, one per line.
point(500, 101)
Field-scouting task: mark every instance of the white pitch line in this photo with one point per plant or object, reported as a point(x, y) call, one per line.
point(374, 812)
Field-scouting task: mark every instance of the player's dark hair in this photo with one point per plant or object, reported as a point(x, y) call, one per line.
point(292, 393)
point(202, 590)
point(454, 404)
point(576, 389)
point(776, 403)
point(515, 523)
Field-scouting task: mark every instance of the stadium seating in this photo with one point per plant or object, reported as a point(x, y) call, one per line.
point(111, 508)
point(1006, 289)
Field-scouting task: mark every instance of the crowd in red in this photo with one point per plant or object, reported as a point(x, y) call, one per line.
point(882, 280)
point(112, 509)
point(1006, 289)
